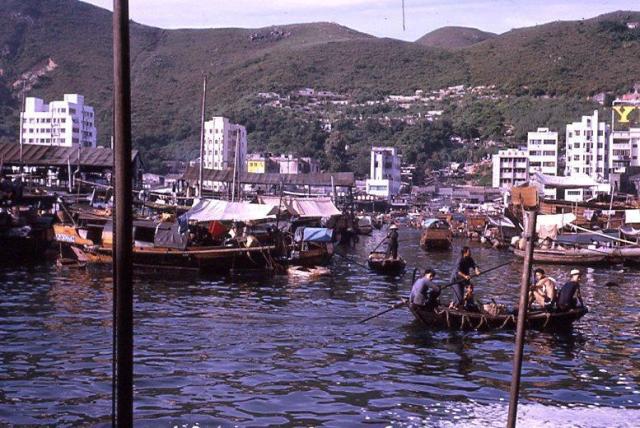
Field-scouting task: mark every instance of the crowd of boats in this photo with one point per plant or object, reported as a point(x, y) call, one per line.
point(299, 236)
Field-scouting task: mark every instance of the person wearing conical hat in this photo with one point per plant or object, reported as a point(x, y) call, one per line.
point(392, 245)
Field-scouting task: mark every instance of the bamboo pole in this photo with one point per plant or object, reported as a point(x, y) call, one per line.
point(202, 116)
point(531, 216)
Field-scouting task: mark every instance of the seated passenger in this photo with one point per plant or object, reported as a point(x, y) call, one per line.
point(424, 292)
point(543, 292)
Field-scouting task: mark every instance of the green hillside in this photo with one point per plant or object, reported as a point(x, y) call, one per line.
point(454, 37)
point(52, 47)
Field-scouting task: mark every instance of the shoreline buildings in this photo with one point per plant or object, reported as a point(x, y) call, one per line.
point(542, 150)
point(66, 123)
point(510, 168)
point(225, 147)
point(385, 174)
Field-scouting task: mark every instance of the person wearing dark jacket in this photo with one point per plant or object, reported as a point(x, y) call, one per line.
point(392, 245)
point(462, 278)
point(569, 295)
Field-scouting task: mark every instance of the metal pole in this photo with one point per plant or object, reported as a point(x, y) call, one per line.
point(202, 116)
point(123, 268)
point(522, 317)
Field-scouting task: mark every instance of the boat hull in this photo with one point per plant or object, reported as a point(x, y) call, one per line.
point(570, 257)
point(452, 319)
point(379, 263)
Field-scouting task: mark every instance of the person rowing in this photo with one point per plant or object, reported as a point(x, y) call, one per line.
point(569, 295)
point(424, 292)
point(463, 288)
point(392, 246)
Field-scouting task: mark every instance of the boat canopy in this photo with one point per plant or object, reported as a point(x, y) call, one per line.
point(575, 181)
point(586, 238)
point(500, 222)
point(434, 223)
point(547, 226)
point(168, 235)
point(632, 216)
point(207, 210)
point(303, 207)
point(313, 234)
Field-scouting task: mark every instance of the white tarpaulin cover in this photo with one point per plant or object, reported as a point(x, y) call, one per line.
point(213, 209)
point(305, 207)
point(632, 216)
point(575, 181)
point(558, 220)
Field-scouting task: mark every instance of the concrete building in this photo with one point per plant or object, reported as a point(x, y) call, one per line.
point(221, 138)
point(587, 152)
point(261, 163)
point(290, 164)
point(385, 174)
point(510, 168)
point(625, 136)
point(66, 123)
point(542, 149)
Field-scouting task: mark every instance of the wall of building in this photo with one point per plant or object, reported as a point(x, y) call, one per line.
point(66, 123)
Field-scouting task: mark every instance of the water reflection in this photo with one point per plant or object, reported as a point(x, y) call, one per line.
point(261, 351)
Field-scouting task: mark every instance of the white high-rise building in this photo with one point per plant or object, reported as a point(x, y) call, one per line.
point(60, 123)
point(624, 150)
point(510, 168)
point(221, 138)
point(587, 152)
point(542, 149)
point(384, 179)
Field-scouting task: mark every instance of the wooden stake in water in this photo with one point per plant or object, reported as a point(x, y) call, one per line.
point(531, 216)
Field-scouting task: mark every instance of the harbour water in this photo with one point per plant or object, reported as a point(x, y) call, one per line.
point(263, 351)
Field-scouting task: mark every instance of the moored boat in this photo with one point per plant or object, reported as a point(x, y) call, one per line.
point(364, 225)
point(443, 317)
point(571, 256)
point(380, 263)
point(436, 234)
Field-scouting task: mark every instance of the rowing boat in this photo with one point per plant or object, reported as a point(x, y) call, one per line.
point(570, 256)
point(443, 317)
point(380, 263)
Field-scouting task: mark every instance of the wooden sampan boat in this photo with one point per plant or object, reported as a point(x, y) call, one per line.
point(379, 263)
point(452, 319)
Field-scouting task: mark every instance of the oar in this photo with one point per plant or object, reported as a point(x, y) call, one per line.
point(403, 302)
point(474, 276)
point(379, 243)
point(351, 260)
point(395, 306)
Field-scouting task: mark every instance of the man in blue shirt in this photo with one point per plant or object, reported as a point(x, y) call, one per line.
point(424, 292)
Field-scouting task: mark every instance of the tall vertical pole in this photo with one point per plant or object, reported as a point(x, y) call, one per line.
point(202, 116)
point(531, 216)
point(123, 268)
point(22, 109)
point(235, 167)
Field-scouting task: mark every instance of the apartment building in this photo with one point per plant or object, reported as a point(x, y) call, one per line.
point(385, 173)
point(66, 123)
point(542, 150)
point(510, 168)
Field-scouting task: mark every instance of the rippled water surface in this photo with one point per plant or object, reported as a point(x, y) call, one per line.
point(270, 351)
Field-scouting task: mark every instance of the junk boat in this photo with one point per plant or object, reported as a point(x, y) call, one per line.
point(380, 263)
point(213, 235)
point(443, 317)
point(436, 235)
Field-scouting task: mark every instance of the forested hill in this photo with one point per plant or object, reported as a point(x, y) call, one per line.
point(52, 47)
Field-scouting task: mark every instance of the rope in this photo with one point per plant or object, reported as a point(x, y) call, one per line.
point(462, 322)
point(509, 318)
point(482, 320)
point(547, 321)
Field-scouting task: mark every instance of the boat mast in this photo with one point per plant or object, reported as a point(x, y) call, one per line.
point(202, 115)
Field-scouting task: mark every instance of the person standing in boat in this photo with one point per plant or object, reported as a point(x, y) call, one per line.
point(569, 295)
point(463, 289)
point(543, 292)
point(424, 292)
point(392, 245)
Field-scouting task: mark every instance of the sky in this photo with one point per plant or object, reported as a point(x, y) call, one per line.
point(382, 18)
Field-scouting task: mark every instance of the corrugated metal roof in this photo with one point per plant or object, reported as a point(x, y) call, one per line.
point(39, 155)
point(346, 179)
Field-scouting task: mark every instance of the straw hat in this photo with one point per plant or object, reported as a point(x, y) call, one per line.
point(575, 272)
point(393, 226)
